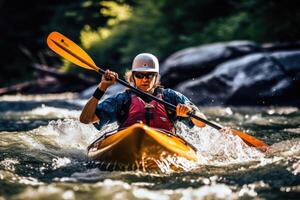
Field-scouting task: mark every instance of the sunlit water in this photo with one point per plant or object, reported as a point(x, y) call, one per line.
point(43, 156)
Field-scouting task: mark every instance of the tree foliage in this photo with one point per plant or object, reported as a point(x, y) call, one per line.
point(27, 24)
point(165, 26)
point(114, 31)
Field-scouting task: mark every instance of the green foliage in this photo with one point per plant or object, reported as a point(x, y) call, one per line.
point(235, 27)
point(69, 18)
point(280, 20)
point(27, 24)
point(105, 44)
point(114, 31)
point(162, 27)
point(159, 27)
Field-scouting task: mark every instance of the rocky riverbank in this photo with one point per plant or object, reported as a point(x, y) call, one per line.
point(228, 73)
point(236, 73)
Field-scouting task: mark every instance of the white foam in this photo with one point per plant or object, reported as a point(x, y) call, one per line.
point(43, 112)
point(216, 148)
point(15, 178)
point(60, 162)
point(9, 164)
point(69, 133)
point(38, 98)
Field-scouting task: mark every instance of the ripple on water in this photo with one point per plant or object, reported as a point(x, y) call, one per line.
point(49, 160)
point(111, 189)
point(41, 112)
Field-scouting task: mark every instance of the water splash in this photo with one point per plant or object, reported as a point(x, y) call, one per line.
point(216, 148)
point(49, 162)
point(68, 133)
point(285, 148)
point(38, 98)
point(115, 189)
point(60, 162)
point(9, 164)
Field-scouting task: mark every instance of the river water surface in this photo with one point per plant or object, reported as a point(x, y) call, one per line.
point(43, 156)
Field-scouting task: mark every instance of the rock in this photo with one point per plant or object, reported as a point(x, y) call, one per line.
point(41, 85)
point(256, 79)
point(197, 61)
point(50, 80)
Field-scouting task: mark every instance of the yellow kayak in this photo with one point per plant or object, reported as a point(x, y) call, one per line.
point(141, 147)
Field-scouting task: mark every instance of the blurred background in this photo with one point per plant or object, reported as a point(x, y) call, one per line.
point(217, 52)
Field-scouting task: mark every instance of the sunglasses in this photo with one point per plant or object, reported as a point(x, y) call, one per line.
point(142, 75)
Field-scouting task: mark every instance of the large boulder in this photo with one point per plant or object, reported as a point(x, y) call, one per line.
point(197, 61)
point(256, 79)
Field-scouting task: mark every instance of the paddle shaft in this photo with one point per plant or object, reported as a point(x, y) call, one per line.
point(168, 105)
point(136, 90)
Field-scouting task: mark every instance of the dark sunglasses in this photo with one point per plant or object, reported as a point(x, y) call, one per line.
point(142, 75)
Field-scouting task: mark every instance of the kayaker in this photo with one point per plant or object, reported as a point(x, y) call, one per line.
point(126, 108)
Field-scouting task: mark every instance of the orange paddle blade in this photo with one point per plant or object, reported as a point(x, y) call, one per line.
point(66, 48)
point(248, 139)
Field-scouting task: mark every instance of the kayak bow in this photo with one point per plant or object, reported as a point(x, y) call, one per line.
point(141, 146)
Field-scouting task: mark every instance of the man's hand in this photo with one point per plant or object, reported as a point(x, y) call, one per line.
point(182, 110)
point(108, 78)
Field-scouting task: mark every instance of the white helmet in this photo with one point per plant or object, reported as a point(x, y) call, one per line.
point(145, 62)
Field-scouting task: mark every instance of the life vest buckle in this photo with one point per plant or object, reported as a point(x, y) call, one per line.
point(149, 106)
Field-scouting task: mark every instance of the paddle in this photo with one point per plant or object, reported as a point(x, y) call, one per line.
point(72, 52)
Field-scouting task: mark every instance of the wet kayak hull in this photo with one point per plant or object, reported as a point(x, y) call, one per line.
point(142, 147)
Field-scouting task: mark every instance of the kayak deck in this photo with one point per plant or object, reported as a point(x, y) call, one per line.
point(142, 147)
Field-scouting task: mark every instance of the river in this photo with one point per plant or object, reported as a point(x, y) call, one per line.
point(43, 156)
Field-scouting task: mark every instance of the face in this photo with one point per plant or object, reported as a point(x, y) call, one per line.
point(144, 80)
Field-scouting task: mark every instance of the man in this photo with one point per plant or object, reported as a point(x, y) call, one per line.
point(127, 108)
